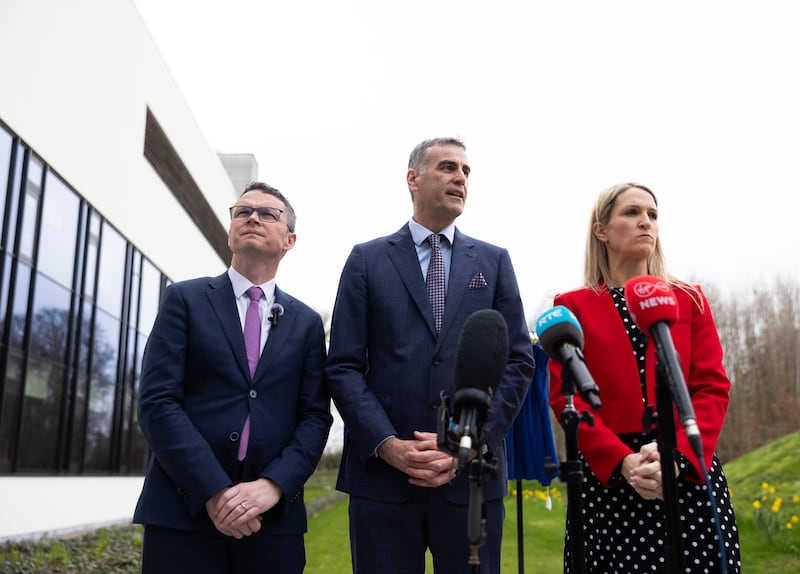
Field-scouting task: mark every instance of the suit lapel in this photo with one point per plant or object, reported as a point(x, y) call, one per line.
point(223, 303)
point(461, 267)
point(403, 255)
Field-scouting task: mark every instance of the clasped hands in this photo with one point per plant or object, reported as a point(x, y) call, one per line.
point(236, 510)
point(420, 459)
point(642, 470)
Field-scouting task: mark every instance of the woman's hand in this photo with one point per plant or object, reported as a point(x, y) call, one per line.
point(643, 471)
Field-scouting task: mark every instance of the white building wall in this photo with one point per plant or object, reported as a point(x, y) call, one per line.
point(34, 507)
point(77, 78)
point(242, 168)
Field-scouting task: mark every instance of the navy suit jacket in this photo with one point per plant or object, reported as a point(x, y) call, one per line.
point(196, 392)
point(387, 366)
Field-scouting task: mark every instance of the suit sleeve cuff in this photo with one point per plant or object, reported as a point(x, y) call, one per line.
point(375, 451)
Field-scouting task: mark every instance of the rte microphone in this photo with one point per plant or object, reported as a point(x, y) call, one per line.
point(275, 312)
point(481, 360)
point(654, 308)
point(561, 337)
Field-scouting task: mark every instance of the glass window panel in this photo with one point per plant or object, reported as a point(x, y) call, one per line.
point(40, 416)
point(150, 298)
point(139, 448)
point(50, 321)
point(128, 403)
point(6, 141)
point(33, 185)
point(33, 192)
point(19, 307)
point(112, 271)
point(80, 244)
point(133, 309)
point(44, 381)
point(11, 227)
point(91, 256)
point(105, 354)
point(12, 391)
point(59, 228)
point(4, 292)
point(79, 414)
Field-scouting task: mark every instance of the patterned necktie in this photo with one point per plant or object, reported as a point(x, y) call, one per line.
point(435, 280)
point(252, 343)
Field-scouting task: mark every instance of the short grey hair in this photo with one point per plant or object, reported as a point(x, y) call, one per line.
point(418, 159)
point(291, 217)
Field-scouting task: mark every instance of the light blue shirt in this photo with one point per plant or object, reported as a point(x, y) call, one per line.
point(420, 235)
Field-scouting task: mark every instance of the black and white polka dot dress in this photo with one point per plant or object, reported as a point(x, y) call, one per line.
point(624, 534)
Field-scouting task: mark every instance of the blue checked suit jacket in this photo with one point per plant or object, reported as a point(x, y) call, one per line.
point(386, 365)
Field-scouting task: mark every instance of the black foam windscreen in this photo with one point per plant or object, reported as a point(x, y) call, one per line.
point(482, 351)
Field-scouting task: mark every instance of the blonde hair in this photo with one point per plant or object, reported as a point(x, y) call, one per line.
point(596, 273)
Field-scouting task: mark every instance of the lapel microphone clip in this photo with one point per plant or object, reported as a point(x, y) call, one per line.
point(275, 313)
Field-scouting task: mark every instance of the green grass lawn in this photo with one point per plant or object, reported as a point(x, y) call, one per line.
point(765, 485)
point(769, 535)
point(328, 544)
point(765, 488)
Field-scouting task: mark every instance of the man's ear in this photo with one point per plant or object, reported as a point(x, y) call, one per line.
point(291, 239)
point(411, 179)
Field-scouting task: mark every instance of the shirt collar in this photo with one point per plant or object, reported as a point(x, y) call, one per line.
point(420, 233)
point(241, 284)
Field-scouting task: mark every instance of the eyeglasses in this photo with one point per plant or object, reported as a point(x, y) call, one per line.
point(265, 214)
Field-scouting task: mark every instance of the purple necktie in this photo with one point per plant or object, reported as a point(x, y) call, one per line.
point(435, 280)
point(252, 343)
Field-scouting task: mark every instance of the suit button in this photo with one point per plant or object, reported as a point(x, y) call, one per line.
point(234, 436)
point(253, 393)
point(436, 361)
point(435, 405)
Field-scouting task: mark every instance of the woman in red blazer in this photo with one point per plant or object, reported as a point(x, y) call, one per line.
point(623, 518)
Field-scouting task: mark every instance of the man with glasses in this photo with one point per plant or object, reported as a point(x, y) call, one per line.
point(233, 406)
point(402, 302)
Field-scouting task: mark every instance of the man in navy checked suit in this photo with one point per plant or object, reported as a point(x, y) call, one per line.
point(387, 365)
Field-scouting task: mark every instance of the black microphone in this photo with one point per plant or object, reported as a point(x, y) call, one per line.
point(274, 313)
point(654, 308)
point(481, 360)
point(561, 337)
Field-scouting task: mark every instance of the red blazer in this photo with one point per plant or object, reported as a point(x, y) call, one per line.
point(611, 362)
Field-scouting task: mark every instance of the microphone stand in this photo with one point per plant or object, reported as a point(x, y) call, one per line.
point(667, 442)
point(448, 436)
point(480, 467)
point(571, 471)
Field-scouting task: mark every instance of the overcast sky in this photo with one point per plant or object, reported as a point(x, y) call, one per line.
point(555, 101)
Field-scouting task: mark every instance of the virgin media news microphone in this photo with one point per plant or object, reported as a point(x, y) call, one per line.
point(561, 337)
point(654, 308)
point(481, 360)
